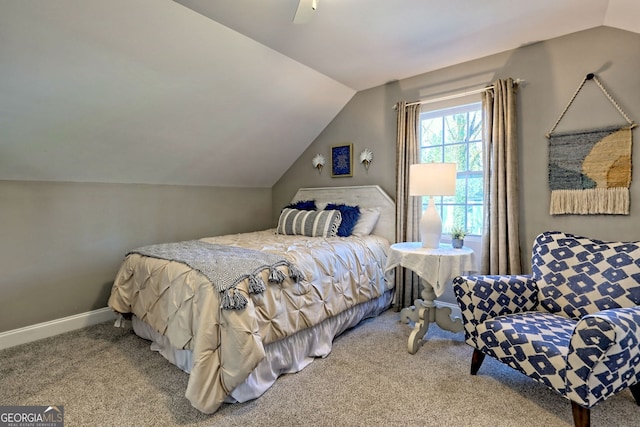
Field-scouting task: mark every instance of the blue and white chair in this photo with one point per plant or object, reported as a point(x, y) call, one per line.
point(573, 324)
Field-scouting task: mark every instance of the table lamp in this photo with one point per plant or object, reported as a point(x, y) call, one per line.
point(432, 179)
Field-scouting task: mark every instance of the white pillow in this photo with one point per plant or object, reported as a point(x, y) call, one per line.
point(366, 222)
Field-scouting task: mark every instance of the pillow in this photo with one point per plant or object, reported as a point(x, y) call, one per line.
point(366, 223)
point(304, 205)
point(350, 215)
point(309, 223)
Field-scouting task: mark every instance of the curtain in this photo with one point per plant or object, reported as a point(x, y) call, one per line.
point(407, 208)
point(500, 241)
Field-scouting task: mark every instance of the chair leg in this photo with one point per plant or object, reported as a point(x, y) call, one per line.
point(581, 415)
point(476, 361)
point(635, 391)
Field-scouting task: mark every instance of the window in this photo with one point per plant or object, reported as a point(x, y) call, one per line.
point(454, 135)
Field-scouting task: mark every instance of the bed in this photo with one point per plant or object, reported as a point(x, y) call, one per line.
point(235, 331)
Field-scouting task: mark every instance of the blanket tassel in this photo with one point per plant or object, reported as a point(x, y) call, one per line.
point(295, 274)
point(233, 300)
point(276, 276)
point(256, 284)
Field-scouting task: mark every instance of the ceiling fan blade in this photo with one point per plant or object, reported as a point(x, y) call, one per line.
point(305, 11)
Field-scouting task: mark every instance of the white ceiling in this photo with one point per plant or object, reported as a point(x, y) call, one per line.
point(366, 43)
point(227, 93)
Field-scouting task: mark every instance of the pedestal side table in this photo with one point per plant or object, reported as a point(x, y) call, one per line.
point(435, 267)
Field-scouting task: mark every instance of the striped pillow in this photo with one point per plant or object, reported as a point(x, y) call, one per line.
point(309, 223)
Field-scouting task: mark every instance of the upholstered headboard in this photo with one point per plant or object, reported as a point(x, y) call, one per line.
point(366, 196)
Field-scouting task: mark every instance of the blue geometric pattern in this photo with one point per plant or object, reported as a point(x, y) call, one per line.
point(533, 343)
point(491, 296)
point(573, 324)
point(604, 355)
point(577, 276)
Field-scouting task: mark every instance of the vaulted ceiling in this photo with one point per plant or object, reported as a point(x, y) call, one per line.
point(227, 93)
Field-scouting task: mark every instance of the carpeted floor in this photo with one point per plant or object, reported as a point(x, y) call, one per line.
point(105, 376)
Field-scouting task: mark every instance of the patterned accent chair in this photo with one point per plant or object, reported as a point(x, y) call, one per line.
point(573, 324)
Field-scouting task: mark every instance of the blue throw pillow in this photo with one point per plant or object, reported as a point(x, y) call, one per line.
point(303, 205)
point(350, 216)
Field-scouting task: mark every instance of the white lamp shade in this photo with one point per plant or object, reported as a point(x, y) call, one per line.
point(432, 179)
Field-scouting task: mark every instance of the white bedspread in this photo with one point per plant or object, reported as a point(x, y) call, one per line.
point(227, 345)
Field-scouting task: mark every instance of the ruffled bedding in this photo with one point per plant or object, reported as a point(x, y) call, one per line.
point(226, 345)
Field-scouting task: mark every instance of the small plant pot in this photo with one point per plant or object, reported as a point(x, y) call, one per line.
point(457, 243)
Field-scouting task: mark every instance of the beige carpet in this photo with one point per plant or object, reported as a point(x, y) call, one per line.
point(108, 377)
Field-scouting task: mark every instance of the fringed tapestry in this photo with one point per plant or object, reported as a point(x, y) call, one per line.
point(590, 171)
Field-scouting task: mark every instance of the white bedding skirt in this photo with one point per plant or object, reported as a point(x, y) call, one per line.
point(286, 356)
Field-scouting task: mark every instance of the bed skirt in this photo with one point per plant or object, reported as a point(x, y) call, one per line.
point(286, 356)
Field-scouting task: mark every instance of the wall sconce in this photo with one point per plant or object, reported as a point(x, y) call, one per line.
point(318, 162)
point(366, 157)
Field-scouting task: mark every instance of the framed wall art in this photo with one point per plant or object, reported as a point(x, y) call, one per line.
point(342, 160)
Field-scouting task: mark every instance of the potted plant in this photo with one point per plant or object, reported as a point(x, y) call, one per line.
point(457, 236)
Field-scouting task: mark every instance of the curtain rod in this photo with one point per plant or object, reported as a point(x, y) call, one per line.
point(457, 95)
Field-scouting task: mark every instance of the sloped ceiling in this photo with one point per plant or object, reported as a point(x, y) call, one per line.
point(148, 91)
point(365, 43)
point(227, 93)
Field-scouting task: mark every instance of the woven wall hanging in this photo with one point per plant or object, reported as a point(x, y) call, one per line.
point(590, 170)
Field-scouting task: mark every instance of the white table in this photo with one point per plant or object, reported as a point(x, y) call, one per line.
point(436, 267)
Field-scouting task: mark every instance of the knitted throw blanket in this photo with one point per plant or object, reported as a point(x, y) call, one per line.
point(225, 266)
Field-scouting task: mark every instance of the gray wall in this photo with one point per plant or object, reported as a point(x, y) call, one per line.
point(552, 71)
point(61, 243)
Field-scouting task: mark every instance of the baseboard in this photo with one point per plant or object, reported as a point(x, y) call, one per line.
point(54, 327)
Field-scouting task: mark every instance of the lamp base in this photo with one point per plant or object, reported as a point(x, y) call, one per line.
point(430, 226)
